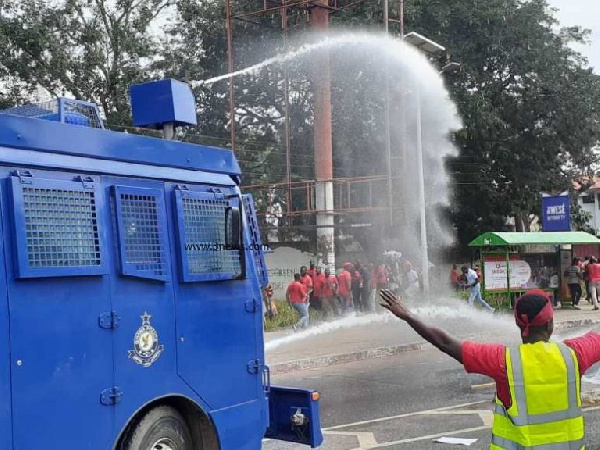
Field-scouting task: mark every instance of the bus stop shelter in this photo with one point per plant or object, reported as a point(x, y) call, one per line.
point(512, 263)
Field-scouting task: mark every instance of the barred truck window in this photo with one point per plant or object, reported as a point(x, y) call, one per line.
point(57, 230)
point(141, 228)
point(205, 256)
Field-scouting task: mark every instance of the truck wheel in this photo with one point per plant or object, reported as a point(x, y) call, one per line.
point(162, 428)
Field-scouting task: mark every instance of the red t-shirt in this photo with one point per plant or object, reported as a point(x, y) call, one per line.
point(329, 285)
point(345, 280)
point(318, 282)
point(453, 276)
point(297, 292)
point(489, 360)
point(374, 277)
point(307, 281)
point(594, 272)
point(381, 276)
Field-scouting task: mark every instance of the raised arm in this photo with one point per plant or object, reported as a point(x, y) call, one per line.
point(436, 336)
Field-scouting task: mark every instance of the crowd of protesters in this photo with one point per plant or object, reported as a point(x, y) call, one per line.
point(354, 289)
point(586, 271)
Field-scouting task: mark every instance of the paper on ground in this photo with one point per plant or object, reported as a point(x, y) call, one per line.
point(458, 441)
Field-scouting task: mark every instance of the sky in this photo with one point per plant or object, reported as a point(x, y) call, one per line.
point(585, 13)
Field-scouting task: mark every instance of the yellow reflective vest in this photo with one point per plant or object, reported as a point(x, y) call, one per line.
point(545, 392)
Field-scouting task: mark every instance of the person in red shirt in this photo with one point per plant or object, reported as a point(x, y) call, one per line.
point(306, 280)
point(312, 271)
point(329, 290)
point(533, 316)
point(455, 278)
point(593, 270)
point(297, 296)
point(382, 277)
point(318, 281)
point(345, 286)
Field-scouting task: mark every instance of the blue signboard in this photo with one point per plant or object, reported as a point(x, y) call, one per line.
point(556, 213)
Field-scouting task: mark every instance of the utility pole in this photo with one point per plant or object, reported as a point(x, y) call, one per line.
point(323, 142)
point(286, 94)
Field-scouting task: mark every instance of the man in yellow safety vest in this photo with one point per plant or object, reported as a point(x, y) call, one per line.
point(538, 383)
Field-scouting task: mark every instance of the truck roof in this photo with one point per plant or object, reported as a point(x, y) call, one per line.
point(60, 138)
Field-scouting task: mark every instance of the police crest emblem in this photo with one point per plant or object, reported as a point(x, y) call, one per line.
point(146, 349)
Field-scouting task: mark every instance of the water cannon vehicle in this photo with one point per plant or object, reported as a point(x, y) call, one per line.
point(133, 269)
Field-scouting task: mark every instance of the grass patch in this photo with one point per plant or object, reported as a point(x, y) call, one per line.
point(287, 316)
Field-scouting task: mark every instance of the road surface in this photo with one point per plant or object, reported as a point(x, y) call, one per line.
point(404, 402)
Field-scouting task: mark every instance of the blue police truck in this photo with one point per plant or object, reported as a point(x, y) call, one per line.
point(132, 271)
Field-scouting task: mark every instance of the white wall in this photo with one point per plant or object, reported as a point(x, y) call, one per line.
point(592, 209)
point(282, 264)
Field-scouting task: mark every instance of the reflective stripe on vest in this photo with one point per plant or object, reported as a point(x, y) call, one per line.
point(506, 444)
point(521, 418)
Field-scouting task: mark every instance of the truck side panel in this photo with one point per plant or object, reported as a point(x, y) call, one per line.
point(145, 346)
point(216, 322)
point(63, 359)
point(5, 363)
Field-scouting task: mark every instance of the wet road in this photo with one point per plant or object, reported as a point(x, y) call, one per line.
point(404, 402)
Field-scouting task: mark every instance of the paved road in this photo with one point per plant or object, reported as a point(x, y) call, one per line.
point(395, 402)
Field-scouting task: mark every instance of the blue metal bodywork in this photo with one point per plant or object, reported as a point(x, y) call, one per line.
point(91, 251)
point(164, 101)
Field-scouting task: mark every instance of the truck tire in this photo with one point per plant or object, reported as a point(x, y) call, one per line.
point(162, 428)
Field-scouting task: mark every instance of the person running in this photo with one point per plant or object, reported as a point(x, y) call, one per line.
point(474, 285)
point(538, 383)
point(297, 297)
point(573, 274)
point(593, 270)
point(329, 292)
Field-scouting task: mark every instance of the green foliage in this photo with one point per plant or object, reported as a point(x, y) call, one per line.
point(528, 101)
point(93, 50)
point(287, 317)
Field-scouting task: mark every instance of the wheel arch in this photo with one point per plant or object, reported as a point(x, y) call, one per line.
point(201, 426)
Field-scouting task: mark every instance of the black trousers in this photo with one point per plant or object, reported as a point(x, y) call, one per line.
point(575, 289)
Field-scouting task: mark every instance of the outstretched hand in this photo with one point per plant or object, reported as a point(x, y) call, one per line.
point(394, 304)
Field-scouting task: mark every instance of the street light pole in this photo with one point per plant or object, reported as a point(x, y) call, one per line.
point(388, 143)
point(431, 47)
point(422, 207)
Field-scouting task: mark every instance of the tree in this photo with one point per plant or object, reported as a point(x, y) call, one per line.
point(93, 50)
point(528, 102)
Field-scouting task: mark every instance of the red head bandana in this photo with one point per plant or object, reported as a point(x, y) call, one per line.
point(542, 318)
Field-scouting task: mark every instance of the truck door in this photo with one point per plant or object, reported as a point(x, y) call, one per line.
point(58, 292)
point(217, 308)
point(142, 294)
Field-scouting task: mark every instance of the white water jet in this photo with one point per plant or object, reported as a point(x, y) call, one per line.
point(358, 64)
point(468, 315)
point(303, 50)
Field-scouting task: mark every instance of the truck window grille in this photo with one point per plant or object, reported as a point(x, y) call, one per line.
point(61, 228)
point(142, 233)
point(204, 243)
